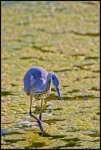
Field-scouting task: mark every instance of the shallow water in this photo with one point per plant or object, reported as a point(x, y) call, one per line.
point(62, 37)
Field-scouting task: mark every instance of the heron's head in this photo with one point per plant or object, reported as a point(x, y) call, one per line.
point(56, 84)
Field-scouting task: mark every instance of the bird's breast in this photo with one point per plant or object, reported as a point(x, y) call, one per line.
point(39, 94)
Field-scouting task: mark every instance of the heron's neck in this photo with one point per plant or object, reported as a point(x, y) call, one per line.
point(47, 85)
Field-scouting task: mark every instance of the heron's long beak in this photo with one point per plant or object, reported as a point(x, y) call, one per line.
point(59, 94)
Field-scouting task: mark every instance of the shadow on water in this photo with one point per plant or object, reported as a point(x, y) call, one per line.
point(26, 57)
point(80, 97)
point(69, 144)
point(71, 139)
point(12, 84)
point(52, 136)
point(89, 2)
point(40, 58)
point(98, 113)
point(27, 35)
point(36, 144)
point(77, 55)
point(83, 66)
point(86, 33)
point(5, 58)
point(62, 70)
point(91, 133)
point(56, 109)
point(52, 97)
point(96, 71)
point(42, 49)
point(72, 142)
point(5, 93)
point(14, 140)
point(51, 121)
point(91, 57)
point(95, 89)
point(86, 77)
point(73, 91)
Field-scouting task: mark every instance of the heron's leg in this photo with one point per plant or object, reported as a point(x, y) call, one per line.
point(30, 105)
point(38, 120)
point(40, 116)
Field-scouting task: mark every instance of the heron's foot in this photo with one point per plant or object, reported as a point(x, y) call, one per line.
point(42, 133)
point(38, 121)
point(40, 125)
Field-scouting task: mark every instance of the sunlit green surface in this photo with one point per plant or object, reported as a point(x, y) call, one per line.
point(62, 37)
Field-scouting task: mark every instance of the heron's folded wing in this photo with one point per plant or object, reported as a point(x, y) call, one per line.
point(29, 81)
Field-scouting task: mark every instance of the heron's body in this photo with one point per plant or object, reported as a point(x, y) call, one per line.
point(37, 84)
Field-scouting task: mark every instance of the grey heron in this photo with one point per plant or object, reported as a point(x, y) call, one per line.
point(37, 84)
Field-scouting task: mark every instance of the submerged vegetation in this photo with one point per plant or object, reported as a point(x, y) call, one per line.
point(62, 37)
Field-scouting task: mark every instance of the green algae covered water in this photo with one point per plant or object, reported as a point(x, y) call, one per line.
point(62, 37)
